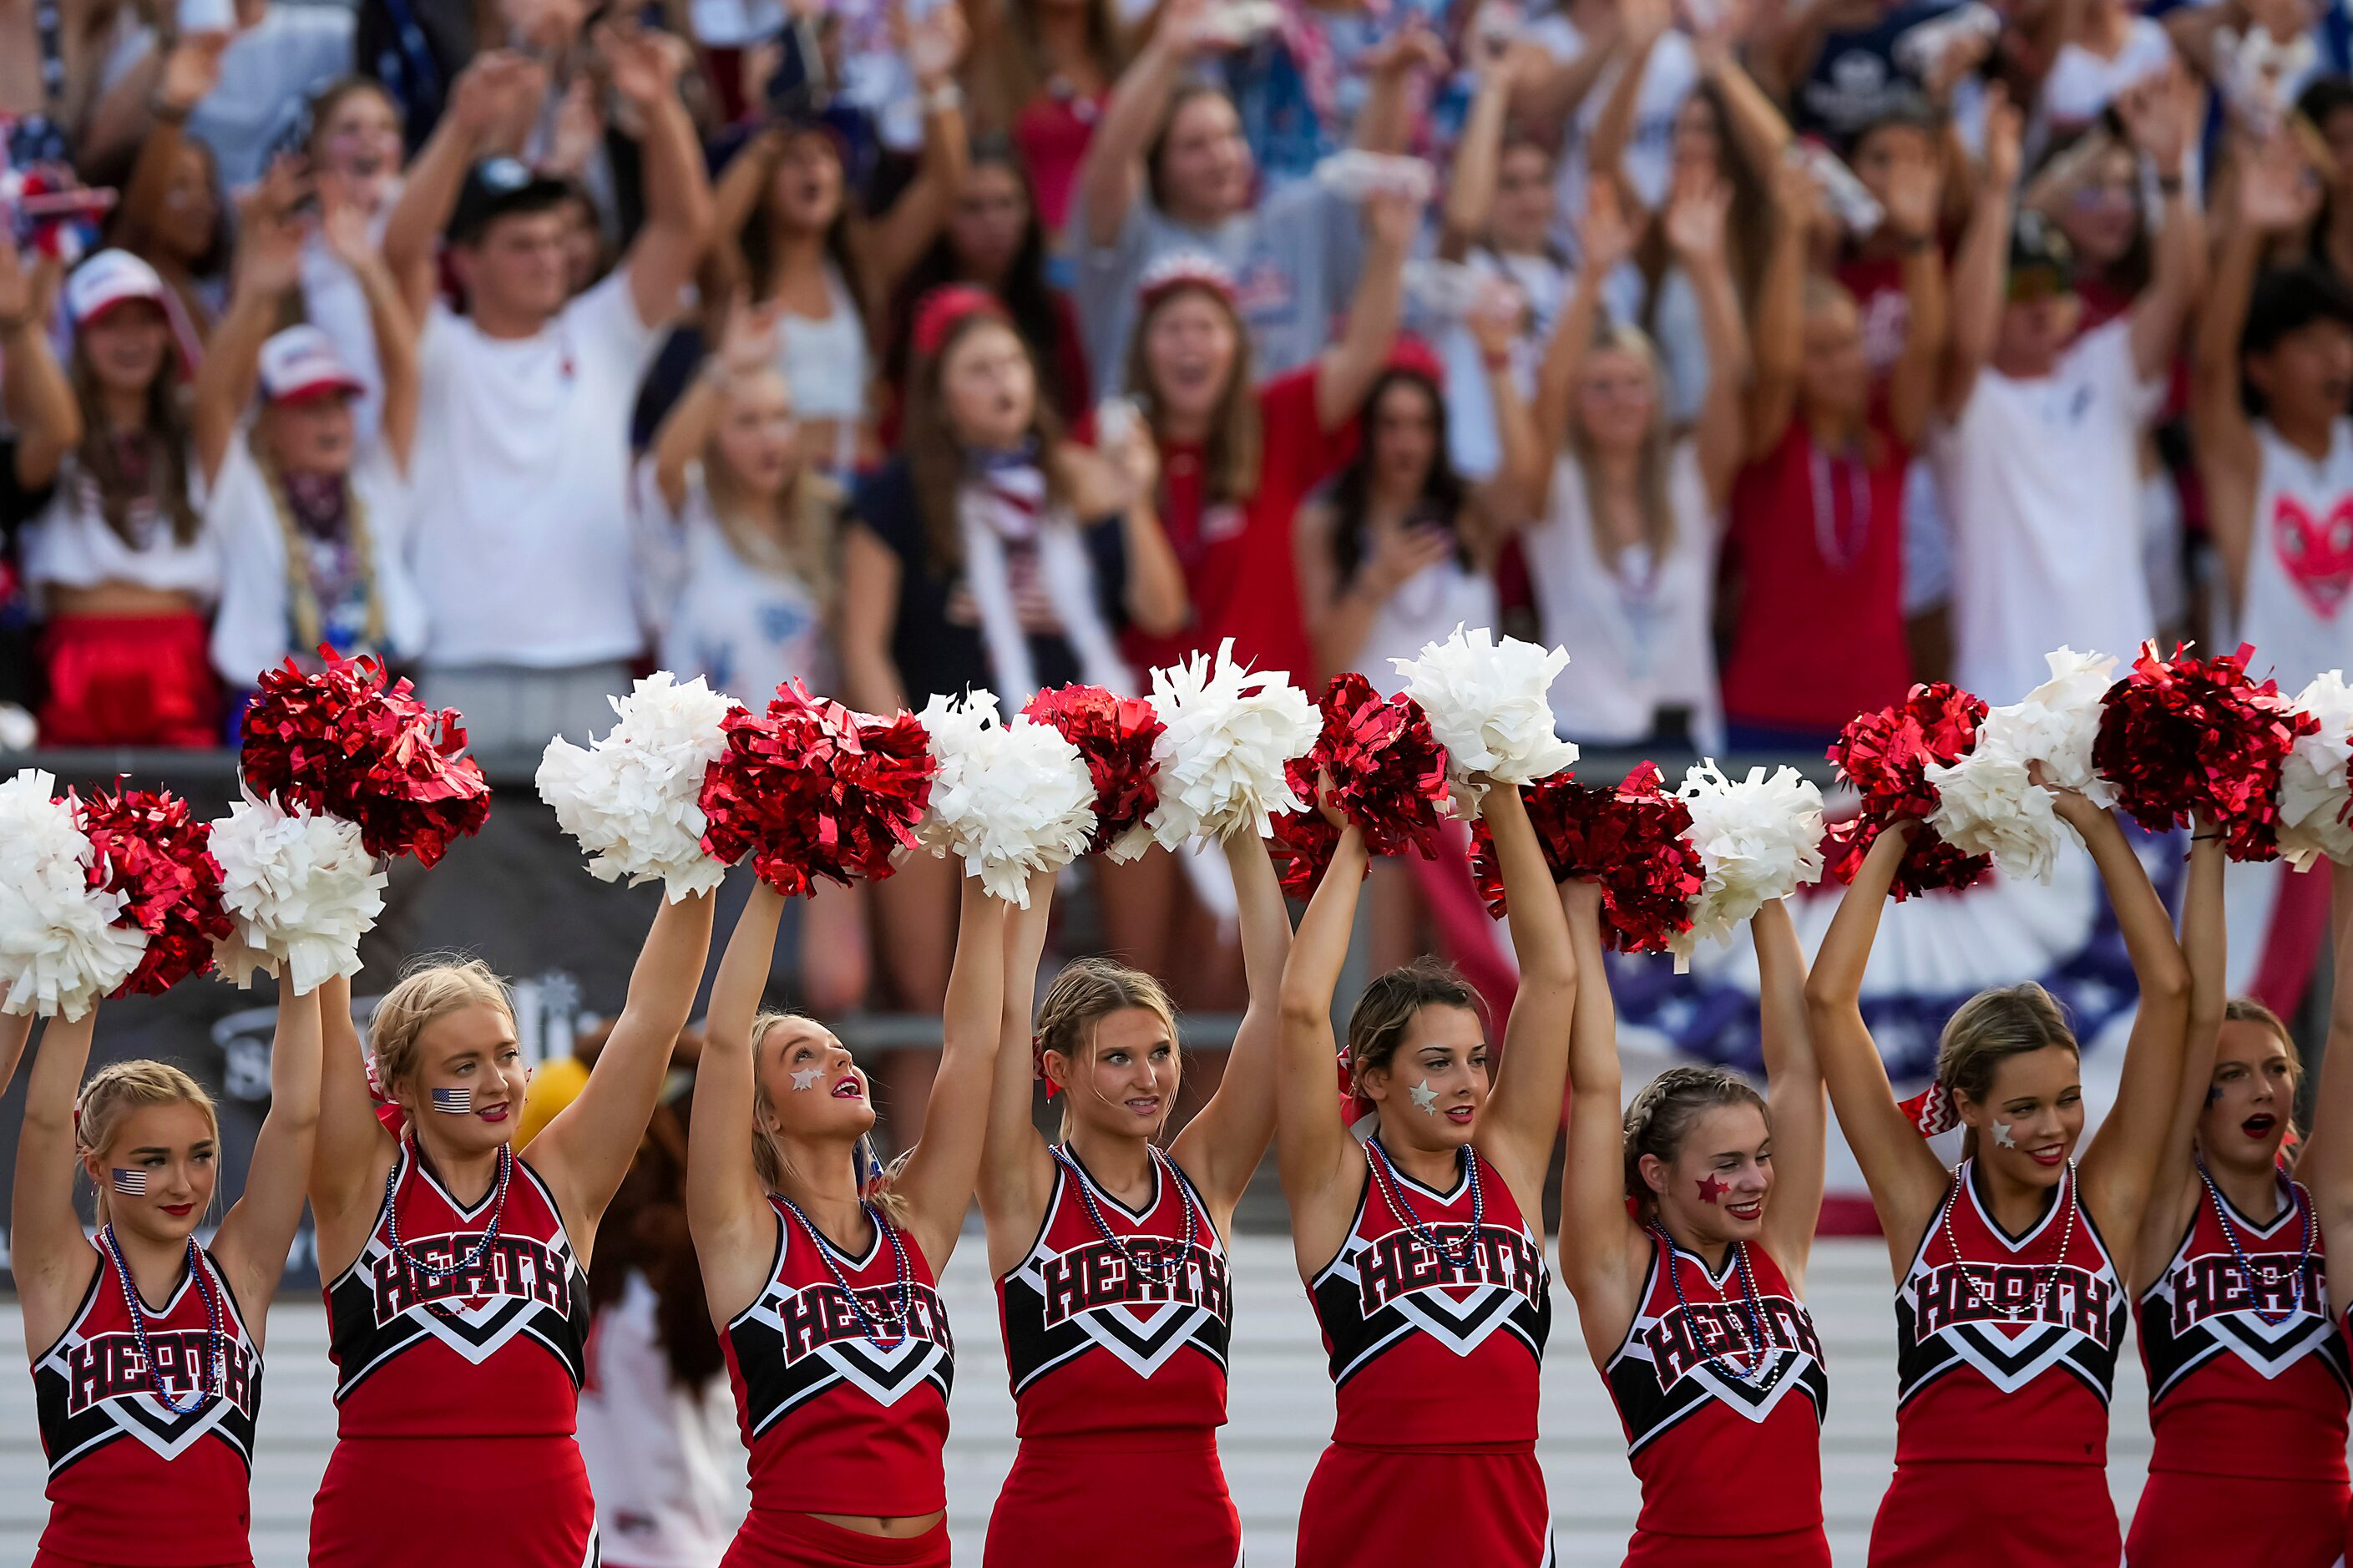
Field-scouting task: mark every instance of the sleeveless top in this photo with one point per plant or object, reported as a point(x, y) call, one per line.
point(1726, 1439)
point(2006, 1346)
point(844, 1403)
point(2247, 1373)
point(1435, 1328)
point(2300, 560)
point(1426, 608)
point(1116, 1320)
point(494, 1348)
point(130, 1479)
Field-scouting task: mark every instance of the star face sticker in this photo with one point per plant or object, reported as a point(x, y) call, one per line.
point(1425, 1099)
point(807, 1077)
point(2213, 1096)
point(2001, 1135)
point(1712, 1191)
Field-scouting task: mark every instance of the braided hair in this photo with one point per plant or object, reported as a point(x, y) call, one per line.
point(1660, 1118)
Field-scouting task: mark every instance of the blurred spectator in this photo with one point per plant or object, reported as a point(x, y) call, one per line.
point(1299, 87)
point(261, 71)
point(419, 48)
point(172, 215)
point(2107, 49)
point(68, 77)
point(1046, 73)
point(43, 420)
point(1835, 63)
point(2328, 107)
point(119, 557)
point(522, 457)
point(313, 518)
point(354, 155)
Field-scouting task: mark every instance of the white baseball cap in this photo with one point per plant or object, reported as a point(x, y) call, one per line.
point(110, 277)
point(301, 363)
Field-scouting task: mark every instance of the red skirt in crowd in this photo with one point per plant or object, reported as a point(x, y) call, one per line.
point(129, 680)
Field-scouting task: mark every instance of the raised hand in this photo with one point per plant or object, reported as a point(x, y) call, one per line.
point(644, 66)
point(2004, 130)
point(1911, 198)
point(2278, 192)
point(1645, 22)
point(1392, 218)
point(344, 227)
point(491, 85)
point(934, 45)
point(748, 341)
point(1604, 240)
point(2153, 113)
point(192, 70)
point(1496, 317)
point(579, 128)
point(1696, 218)
point(1411, 48)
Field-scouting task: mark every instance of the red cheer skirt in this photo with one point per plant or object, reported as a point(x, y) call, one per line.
point(129, 680)
point(1413, 1507)
point(2224, 1522)
point(1970, 1514)
point(431, 1502)
point(1788, 1549)
point(1173, 1509)
point(779, 1538)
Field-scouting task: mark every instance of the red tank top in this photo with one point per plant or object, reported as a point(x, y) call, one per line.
point(475, 1324)
point(1435, 1320)
point(2006, 1346)
point(132, 1479)
point(2247, 1373)
point(1722, 1395)
point(1117, 1320)
point(843, 1392)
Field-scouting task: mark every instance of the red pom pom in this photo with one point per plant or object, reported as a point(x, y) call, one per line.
point(1629, 839)
point(1115, 735)
point(2185, 735)
point(1886, 756)
point(154, 852)
point(811, 790)
point(345, 742)
point(1388, 777)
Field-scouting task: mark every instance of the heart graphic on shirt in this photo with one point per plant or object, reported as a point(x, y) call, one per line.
point(2316, 553)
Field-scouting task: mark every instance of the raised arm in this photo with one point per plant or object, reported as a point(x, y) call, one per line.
point(353, 1150)
point(1779, 338)
point(940, 1174)
point(1915, 197)
point(1905, 1178)
point(51, 1259)
point(1111, 176)
point(735, 198)
point(1221, 1147)
point(1645, 23)
point(1603, 1254)
point(2324, 1166)
point(269, 264)
point(1793, 1081)
point(1317, 1157)
point(1754, 123)
point(1017, 1170)
point(1384, 124)
point(934, 48)
point(1523, 1114)
point(34, 395)
point(2163, 119)
point(645, 68)
point(2174, 1192)
point(190, 72)
point(1512, 493)
point(1348, 368)
point(587, 1149)
point(1469, 202)
point(429, 186)
point(344, 225)
point(259, 1226)
point(1604, 241)
point(726, 1205)
point(746, 344)
point(2122, 1158)
point(1695, 230)
point(1981, 269)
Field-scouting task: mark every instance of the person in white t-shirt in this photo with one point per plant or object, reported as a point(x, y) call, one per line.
point(2039, 453)
point(312, 518)
point(523, 542)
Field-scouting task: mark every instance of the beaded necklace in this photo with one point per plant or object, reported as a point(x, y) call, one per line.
point(392, 1220)
point(2050, 1272)
point(903, 1278)
point(217, 1351)
point(1385, 1177)
point(1166, 1270)
point(2246, 1269)
point(1760, 1325)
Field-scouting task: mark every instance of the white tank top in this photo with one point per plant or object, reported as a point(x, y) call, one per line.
point(69, 546)
point(824, 361)
point(1637, 636)
point(2300, 560)
point(746, 626)
point(1426, 608)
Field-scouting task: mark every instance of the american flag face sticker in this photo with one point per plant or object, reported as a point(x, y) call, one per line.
point(130, 1183)
point(456, 1101)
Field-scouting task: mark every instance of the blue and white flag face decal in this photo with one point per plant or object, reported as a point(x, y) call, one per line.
point(456, 1101)
point(130, 1183)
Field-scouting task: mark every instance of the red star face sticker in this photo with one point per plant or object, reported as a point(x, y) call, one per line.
point(1710, 1190)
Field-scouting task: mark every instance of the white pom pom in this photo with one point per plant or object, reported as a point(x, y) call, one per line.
point(1758, 839)
point(1487, 706)
point(1009, 799)
point(2055, 723)
point(300, 890)
point(2312, 797)
point(1228, 733)
point(633, 799)
point(1990, 803)
point(61, 950)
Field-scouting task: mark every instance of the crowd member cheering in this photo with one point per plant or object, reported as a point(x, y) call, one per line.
point(173, 215)
point(1046, 70)
point(174, 1438)
point(522, 459)
point(354, 156)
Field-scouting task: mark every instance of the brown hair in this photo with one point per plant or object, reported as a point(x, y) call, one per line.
point(645, 1229)
point(1088, 991)
point(431, 986)
point(1387, 1009)
point(935, 458)
point(1178, 101)
point(330, 98)
point(1021, 70)
point(1990, 1027)
point(164, 435)
point(1229, 465)
point(1660, 1118)
point(2248, 1010)
point(878, 1188)
point(119, 1089)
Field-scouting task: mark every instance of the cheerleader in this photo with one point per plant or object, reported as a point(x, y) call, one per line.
point(1131, 1369)
point(457, 1270)
point(822, 1267)
point(1422, 1249)
point(2247, 1373)
point(147, 1410)
point(2010, 1301)
point(1684, 1232)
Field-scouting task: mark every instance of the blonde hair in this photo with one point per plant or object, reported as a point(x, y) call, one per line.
point(431, 987)
point(1660, 1118)
point(301, 593)
point(117, 1089)
point(877, 1184)
point(1990, 1027)
point(795, 532)
point(1084, 994)
point(1650, 466)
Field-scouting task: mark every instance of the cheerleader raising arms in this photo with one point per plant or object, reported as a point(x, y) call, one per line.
point(456, 1270)
point(821, 1267)
point(1114, 1377)
point(1693, 1303)
point(1421, 1249)
point(147, 1412)
point(2004, 1376)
